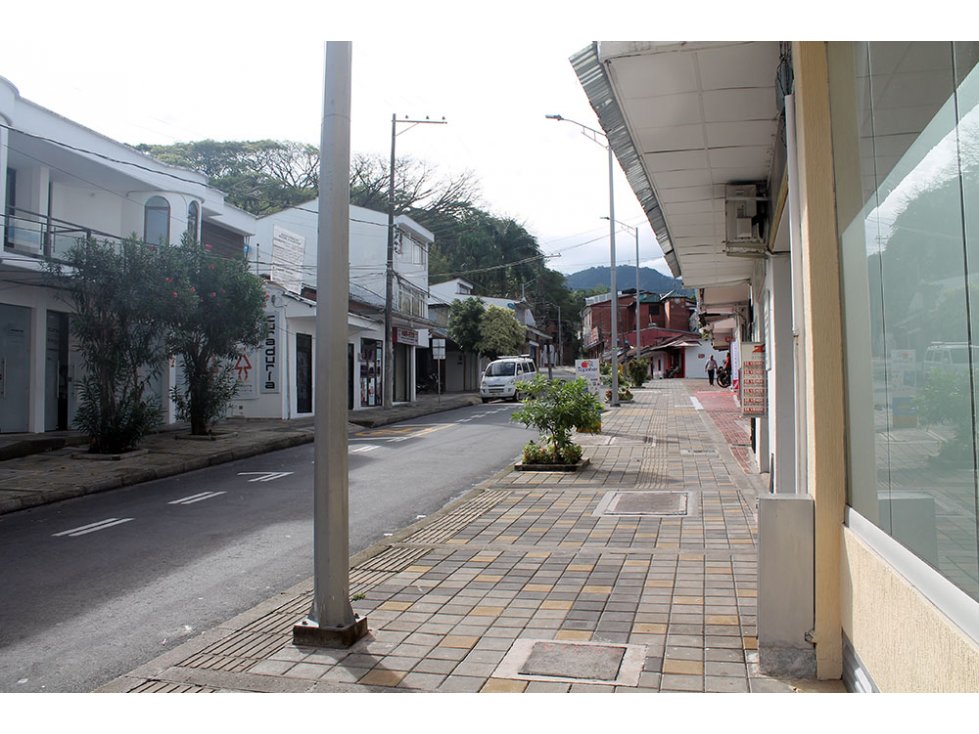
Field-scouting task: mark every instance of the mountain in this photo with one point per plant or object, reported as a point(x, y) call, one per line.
point(625, 278)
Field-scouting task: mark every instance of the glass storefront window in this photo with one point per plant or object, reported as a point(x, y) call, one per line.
point(905, 120)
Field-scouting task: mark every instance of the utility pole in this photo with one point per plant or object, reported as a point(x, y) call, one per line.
point(388, 381)
point(331, 621)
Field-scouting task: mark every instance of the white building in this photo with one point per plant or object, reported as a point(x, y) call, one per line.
point(59, 182)
point(285, 251)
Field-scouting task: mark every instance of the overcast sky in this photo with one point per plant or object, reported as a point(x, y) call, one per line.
point(247, 70)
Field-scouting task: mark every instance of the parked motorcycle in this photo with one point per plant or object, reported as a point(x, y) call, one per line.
point(724, 377)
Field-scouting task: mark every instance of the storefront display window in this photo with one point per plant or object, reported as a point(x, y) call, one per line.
point(905, 122)
point(370, 372)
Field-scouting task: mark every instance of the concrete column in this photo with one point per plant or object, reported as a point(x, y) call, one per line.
point(825, 411)
point(782, 383)
point(4, 136)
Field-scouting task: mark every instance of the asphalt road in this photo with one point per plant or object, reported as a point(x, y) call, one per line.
point(93, 587)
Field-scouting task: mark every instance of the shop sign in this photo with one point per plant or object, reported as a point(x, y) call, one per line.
point(753, 383)
point(269, 356)
point(406, 336)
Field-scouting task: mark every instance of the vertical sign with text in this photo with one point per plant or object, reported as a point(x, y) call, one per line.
point(268, 355)
point(753, 385)
point(588, 370)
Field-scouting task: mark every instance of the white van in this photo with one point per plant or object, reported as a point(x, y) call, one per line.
point(501, 377)
point(951, 356)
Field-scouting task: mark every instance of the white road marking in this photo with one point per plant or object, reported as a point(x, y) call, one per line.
point(93, 527)
point(264, 476)
point(696, 403)
point(364, 449)
point(201, 496)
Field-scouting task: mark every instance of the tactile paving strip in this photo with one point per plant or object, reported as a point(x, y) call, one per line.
point(451, 523)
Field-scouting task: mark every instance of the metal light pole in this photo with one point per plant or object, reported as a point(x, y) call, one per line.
point(594, 135)
point(387, 399)
point(559, 342)
point(638, 333)
point(331, 621)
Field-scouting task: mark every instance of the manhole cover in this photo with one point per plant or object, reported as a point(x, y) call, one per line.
point(658, 504)
point(577, 662)
point(574, 661)
point(651, 503)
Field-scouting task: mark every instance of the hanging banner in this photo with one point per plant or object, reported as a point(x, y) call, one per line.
point(753, 383)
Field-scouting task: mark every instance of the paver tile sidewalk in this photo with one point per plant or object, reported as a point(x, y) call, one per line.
point(637, 574)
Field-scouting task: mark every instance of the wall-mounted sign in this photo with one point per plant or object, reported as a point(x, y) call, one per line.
point(406, 336)
point(753, 384)
point(269, 356)
point(288, 251)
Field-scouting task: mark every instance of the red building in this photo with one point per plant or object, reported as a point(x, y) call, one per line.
point(662, 319)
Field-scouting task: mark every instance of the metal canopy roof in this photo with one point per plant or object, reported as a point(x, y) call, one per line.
point(685, 119)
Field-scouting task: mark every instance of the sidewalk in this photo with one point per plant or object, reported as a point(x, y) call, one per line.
point(637, 574)
point(41, 474)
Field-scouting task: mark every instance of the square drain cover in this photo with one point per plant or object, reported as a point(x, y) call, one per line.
point(655, 504)
point(649, 503)
point(574, 661)
point(577, 662)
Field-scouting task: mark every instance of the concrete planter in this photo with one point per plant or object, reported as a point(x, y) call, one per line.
point(215, 436)
point(552, 467)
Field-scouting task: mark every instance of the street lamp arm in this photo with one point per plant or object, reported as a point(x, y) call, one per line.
point(588, 132)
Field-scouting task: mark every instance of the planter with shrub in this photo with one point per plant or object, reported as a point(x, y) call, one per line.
point(556, 408)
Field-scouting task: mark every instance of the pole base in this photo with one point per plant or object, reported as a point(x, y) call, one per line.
point(309, 634)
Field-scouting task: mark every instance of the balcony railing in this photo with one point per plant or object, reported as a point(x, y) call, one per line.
point(41, 236)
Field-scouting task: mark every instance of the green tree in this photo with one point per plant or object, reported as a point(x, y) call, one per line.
point(500, 333)
point(120, 294)
point(225, 314)
point(465, 320)
point(260, 176)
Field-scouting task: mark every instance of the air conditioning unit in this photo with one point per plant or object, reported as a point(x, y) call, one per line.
point(745, 210)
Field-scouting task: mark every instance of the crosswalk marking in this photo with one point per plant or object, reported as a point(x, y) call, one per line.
point(199, 497)
point(92, 527)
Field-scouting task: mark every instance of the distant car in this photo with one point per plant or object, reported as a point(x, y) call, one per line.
point(502, 377)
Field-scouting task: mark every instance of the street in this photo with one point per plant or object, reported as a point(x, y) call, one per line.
point(95, 586)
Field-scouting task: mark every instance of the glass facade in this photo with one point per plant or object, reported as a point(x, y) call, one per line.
point(905, 120)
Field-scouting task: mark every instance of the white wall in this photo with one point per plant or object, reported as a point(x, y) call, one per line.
point(695, 359)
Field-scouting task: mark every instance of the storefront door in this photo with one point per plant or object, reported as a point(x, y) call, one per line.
point(15, 330)
point(304, 373)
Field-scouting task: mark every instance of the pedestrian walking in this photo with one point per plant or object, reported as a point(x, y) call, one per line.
point(711, 369)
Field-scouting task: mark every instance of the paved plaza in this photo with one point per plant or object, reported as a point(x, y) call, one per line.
point(637, 574)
